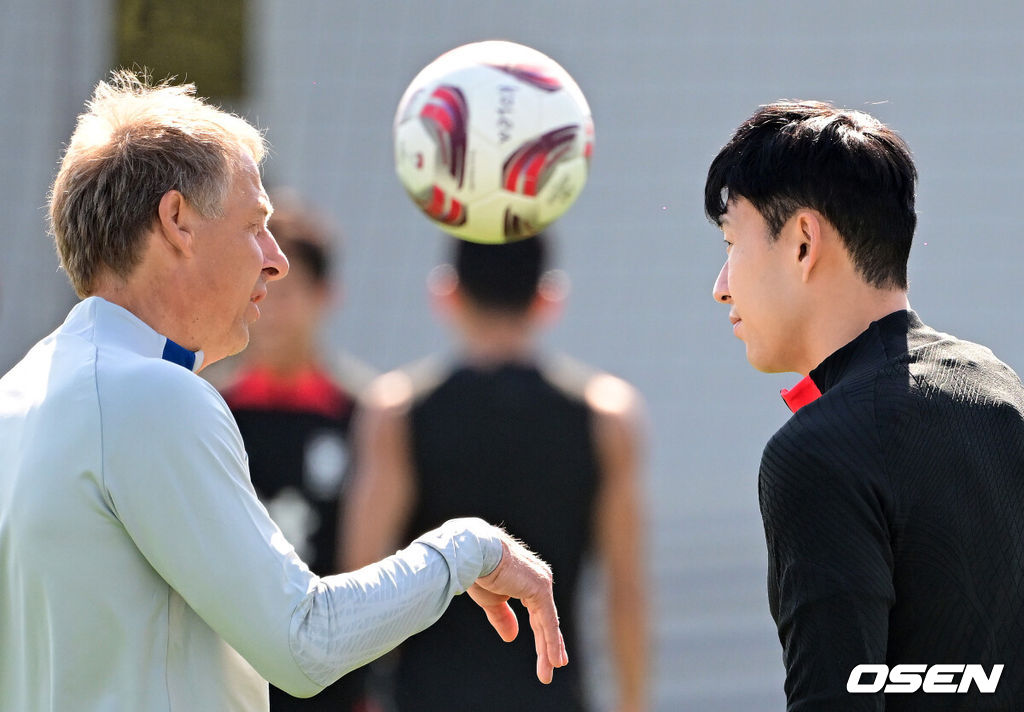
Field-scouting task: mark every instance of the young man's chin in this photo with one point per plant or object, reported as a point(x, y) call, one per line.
point(764, 363)
point(754, 358)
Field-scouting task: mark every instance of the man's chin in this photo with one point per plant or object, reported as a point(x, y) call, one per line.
point(768, 367)
point(763, 363)
point(224, 350)
point(240, 346)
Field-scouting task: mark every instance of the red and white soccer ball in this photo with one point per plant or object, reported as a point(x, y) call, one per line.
point(493, 141)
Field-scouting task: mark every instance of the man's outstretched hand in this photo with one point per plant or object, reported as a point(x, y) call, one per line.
point(522, 575)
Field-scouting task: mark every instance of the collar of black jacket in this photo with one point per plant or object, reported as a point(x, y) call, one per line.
point(882, 340)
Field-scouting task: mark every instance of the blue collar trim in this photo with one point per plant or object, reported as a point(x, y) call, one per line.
point(180, 355)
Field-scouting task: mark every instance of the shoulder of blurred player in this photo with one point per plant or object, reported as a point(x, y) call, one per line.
point(389, 394)
point(616, 403)
point(396, 391)
point(612, 395)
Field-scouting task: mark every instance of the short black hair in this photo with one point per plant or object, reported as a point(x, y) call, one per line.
point(302, 234)
point(503, 277)
point(849, 166)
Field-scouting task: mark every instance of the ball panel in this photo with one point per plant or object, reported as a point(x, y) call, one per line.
point(415, 157)
point(493, 141)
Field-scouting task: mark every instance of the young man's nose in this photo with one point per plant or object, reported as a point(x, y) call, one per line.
point(721, 289)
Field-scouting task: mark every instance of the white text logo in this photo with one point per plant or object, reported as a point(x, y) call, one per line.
point(931, 679)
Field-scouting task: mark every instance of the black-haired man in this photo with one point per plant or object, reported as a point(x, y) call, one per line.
point(893, 499)
point(548, 446)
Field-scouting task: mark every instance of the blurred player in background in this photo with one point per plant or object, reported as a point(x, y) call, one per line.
point(544, 444)
point(893, 498)
point(138, 569)
point(294, 418)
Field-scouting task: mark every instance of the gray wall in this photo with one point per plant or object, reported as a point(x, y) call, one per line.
point(667, 83)
point(51, 53)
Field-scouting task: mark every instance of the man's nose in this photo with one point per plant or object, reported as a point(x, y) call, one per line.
point(275, 263)
point(721, 289)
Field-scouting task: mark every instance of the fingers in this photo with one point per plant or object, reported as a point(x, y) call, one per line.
point(560, 651)
point(545, 670)
point(501, 617)
point(548, 640)
point(521, 574)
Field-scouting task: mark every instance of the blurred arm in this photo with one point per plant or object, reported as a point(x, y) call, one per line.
point(379, 504)
point(619, 528)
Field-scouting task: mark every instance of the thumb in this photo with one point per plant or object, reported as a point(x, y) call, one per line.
point(501, 617)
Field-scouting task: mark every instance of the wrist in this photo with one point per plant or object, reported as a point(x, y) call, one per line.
point(476, 545)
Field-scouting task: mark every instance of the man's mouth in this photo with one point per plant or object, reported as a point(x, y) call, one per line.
point(735, 321)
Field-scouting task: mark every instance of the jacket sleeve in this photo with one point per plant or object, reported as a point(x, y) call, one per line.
point(177, 475)
point(824, 503)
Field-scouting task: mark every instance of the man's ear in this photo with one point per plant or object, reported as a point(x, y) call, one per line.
point(552, 292)
point(177, 222)
point(809, 234)
point(331, 295)
point(443, 286)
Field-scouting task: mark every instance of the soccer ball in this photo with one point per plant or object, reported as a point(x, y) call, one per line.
point(493, 141)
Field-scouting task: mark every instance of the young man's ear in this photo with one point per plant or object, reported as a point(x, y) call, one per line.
point(176, 221)
point(327, 295)
point(443, 287)
point(809, 226)
point(552, 292)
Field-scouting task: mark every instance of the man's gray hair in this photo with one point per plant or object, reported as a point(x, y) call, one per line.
point(136, 141)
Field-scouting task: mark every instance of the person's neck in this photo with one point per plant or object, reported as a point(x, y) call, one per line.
point(298, 358)
point(153, 305)
point(494, 340)
point(850, 311)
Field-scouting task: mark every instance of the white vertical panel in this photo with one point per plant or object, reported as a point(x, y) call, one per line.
point(52, 52)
